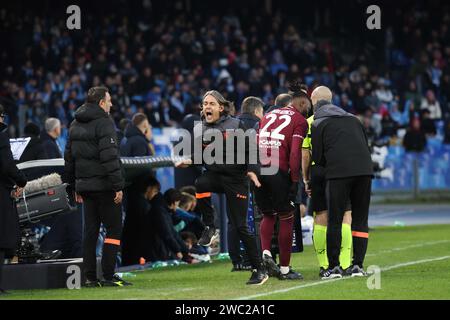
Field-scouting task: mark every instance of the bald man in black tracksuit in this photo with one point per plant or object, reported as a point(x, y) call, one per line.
point(341, 147)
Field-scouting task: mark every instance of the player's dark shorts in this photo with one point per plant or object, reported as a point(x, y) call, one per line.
point(273, 195)
point(318, 187)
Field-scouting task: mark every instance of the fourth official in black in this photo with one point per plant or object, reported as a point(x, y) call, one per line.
point(341, 147)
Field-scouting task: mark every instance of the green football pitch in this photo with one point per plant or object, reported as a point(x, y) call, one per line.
point(414, 263)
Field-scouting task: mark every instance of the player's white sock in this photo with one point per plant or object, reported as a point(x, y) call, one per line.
point(284, 270)
point(267, 252)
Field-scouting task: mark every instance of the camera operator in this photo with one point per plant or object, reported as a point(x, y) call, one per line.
point(10, 176)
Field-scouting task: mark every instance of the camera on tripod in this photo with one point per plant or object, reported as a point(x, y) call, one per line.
point(41, 199)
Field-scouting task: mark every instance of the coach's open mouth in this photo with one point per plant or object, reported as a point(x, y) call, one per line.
point(208, 115)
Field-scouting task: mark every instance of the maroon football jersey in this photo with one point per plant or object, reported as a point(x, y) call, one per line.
point(282, 130)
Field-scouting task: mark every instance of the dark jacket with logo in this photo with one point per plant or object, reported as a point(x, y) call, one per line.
point(9, 176)
point(340, 143)
point(91, 155)
point(134, 144)
point(242, 147)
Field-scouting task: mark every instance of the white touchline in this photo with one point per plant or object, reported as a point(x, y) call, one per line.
point(407, 247)
point(317, 283)
point(390, 214)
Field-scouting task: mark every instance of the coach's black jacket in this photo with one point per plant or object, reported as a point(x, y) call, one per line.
point(91, 155)
point(339, 143)
point(224, 125)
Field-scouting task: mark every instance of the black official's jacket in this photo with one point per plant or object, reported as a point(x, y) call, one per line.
point(225, 126)
point(340, 143)
point(91, 155)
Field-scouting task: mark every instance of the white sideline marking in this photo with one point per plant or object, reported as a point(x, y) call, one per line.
point(390, 214)
point(317, 283)
point(407, 247)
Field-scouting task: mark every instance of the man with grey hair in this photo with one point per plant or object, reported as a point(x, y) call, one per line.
point(341, 147)
point(48, 137)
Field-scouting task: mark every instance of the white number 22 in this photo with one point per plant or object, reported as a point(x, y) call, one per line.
point(275, 133)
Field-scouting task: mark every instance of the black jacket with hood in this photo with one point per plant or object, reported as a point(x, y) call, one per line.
point(340, 143)
point(91, 155)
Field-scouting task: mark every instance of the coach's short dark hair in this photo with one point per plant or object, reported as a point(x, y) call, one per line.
point(95, 94)
point(138, 118)
point(250, 104)
point(283, 100)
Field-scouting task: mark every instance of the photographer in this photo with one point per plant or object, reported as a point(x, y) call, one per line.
point(10, 176)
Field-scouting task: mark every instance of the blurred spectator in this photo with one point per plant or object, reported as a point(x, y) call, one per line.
point(162, 209)
point(414, 139)
point(389, 126)
point(383, 93)
point(413, 95)
point(428, 125)
point(447, 130)
point(401, 118)
point(430, 103)
point(48, 137)
point(35, 149)
point(360, 101)
point(191, 242)
point(185, 212)
point(123, 125)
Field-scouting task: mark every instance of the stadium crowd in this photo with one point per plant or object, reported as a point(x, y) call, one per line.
point(157, 71)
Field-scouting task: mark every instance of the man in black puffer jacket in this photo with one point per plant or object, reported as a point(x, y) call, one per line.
point(93, 164)
point(341, 148)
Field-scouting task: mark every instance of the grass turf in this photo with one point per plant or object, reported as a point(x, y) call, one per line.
point(404, 251)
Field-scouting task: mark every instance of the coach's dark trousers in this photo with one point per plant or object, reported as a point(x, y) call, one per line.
point(99, 207)
point(236, 192)
point(339, 191)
